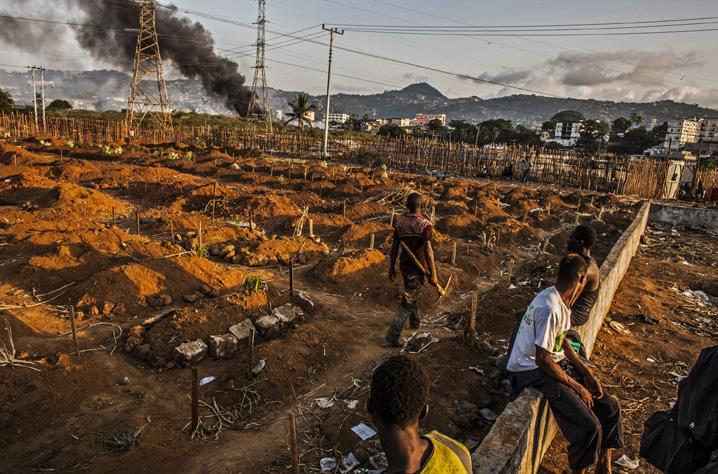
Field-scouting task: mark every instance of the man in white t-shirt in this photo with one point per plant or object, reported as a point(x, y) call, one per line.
point(542, 358)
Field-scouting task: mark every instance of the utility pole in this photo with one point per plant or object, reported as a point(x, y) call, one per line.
point(34, 95)
point(148, 93)
point(332, 32)
point(42, 95)
point(260, 74)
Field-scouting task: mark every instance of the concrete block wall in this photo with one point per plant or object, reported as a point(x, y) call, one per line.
point(684, 215)
point(524, 430)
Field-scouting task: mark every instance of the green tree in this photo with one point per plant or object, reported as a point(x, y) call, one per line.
point(463, 131)
point(435, 125)
point(635, 142)
point(391, 130)
point(59, 104)
point(299, 108)
point(549, 126)
point(568, 116)
point(592, 132)
point(620, 125)
point(637, 118)
point(6, 103)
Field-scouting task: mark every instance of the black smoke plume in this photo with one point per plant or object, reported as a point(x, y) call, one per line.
point(187, 44)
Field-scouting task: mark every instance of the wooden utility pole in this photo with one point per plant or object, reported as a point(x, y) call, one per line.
point(332, 32)
point(42, 98)
point(34, 96)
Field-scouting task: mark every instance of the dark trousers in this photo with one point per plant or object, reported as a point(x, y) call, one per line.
point(409, 307)
point(587, 430)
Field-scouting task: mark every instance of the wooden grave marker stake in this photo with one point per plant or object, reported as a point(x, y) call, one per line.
point(74, 330)
point(293, 440)
point(195, 401)
point(137, 221)
point(291, 276)
point(453, 254)
point(371, 241)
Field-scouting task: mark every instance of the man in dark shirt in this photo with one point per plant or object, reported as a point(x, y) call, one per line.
point(580, 241)
point(414, 230)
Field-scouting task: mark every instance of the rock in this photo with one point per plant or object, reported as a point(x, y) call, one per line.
point(159, 300)
point(222, 347)
point(193, 297)
point(107, 308)
point(287, 313)
point(302, 300)
point(120, 309)
point(209, 292)
point(242, 330)
point(479, 394)
point(125, 381)
point(166, 299)
point(227, 251)
point(94, 311)
point(134, 338)
point(268, 326)
point(189, 353)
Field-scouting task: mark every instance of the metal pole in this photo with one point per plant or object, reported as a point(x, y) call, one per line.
point(332, 32)
point(42, 95)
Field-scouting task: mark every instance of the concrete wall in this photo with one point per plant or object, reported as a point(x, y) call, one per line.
point(677, 215)
point(524, 430)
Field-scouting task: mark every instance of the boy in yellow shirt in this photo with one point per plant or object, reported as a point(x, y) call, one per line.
point(397, 402)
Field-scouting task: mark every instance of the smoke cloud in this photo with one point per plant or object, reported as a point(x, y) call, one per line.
point(187, 44)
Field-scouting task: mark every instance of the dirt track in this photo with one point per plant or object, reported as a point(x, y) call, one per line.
point(58, 246)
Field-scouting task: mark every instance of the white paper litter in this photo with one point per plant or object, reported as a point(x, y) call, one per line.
point(619, 328)
point(651, 360)
point(324, 402)
point(364, 431)
point(206, 380)
point(628, 463)
point(328, 464)
point(512, 286)
point(351, 404)
point(348, 463)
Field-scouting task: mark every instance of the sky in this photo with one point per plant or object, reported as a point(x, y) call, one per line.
point(682, 67)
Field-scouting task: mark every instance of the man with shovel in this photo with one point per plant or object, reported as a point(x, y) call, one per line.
point(412, 236)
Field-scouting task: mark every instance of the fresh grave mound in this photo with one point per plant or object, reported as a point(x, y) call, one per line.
point(133, 285)
point(353, 265)
point(453, 193)
point(76, 173)
point(464, 226)
point(271, 206)
point(280, 250)
point(365, 229)
point(365, 209)
point(72, 198)
point(451, 208)
point(22, 188)
point(11, 153)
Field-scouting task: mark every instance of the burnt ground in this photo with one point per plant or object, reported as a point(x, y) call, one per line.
point(641, 365)
point(59, 248)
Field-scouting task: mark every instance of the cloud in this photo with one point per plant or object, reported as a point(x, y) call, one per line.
point(508, 76)
point(410, 76)
point(640, 67)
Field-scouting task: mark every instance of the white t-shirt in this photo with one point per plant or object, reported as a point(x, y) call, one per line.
point(544, 324)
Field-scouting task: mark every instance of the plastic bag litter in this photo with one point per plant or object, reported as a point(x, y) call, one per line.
point(259, 367)
point(327, 464)
point(324, 402)
point(627, 463)
point(348, 463)
point(206, 380)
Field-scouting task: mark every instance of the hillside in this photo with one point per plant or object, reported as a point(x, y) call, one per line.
point(103, 90)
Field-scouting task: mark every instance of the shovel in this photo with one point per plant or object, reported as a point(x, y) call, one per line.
point(439, 288)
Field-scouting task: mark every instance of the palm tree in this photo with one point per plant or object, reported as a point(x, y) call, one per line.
point(299, 108)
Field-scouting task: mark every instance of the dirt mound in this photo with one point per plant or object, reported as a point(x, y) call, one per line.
point(280, 250)
point(71, 198)
point(452, 192)
point(465, 226)
point(132, 283)
point(272, 206)
point(364, 210)
point(75, 173)
point(353, 265)
point(452, 208)
point(26, 187)
point(363, 230)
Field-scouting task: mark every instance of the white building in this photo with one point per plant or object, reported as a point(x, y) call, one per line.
point(708, 132)
point(400, 121)
point(681, 132)
point(566, 133)
point(423, 119)
point(338, 118)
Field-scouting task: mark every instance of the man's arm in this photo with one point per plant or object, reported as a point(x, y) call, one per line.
point(591, 382)
point(393, 255)
point(545, 362)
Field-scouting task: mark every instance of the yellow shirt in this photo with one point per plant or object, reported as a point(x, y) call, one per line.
point(444, 458)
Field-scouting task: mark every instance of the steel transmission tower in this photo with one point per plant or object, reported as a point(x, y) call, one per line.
point(148, 93)
point(256, 110)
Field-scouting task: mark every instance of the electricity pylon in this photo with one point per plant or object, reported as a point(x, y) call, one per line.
point(260, 74)
point(148, 93)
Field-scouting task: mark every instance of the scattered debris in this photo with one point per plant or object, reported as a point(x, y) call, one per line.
point(627, 463)
point(223, 347)
point(364, 431)
point(189, 353)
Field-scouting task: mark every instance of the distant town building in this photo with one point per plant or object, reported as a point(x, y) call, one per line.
point(708, 132)
point(338, 118)
point(310, 115)
point(400, 121)
point(682, 132)
point(423, 119)
point(566, 133)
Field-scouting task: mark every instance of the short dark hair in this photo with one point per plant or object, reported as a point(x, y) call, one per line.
point(399, 390)
point(413, 201)
point(571, 266)
point(586, 235)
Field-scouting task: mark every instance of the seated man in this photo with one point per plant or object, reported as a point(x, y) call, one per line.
point(397, 402)
point(542, 358)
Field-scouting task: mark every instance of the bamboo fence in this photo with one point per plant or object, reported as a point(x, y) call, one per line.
point(644, 177)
